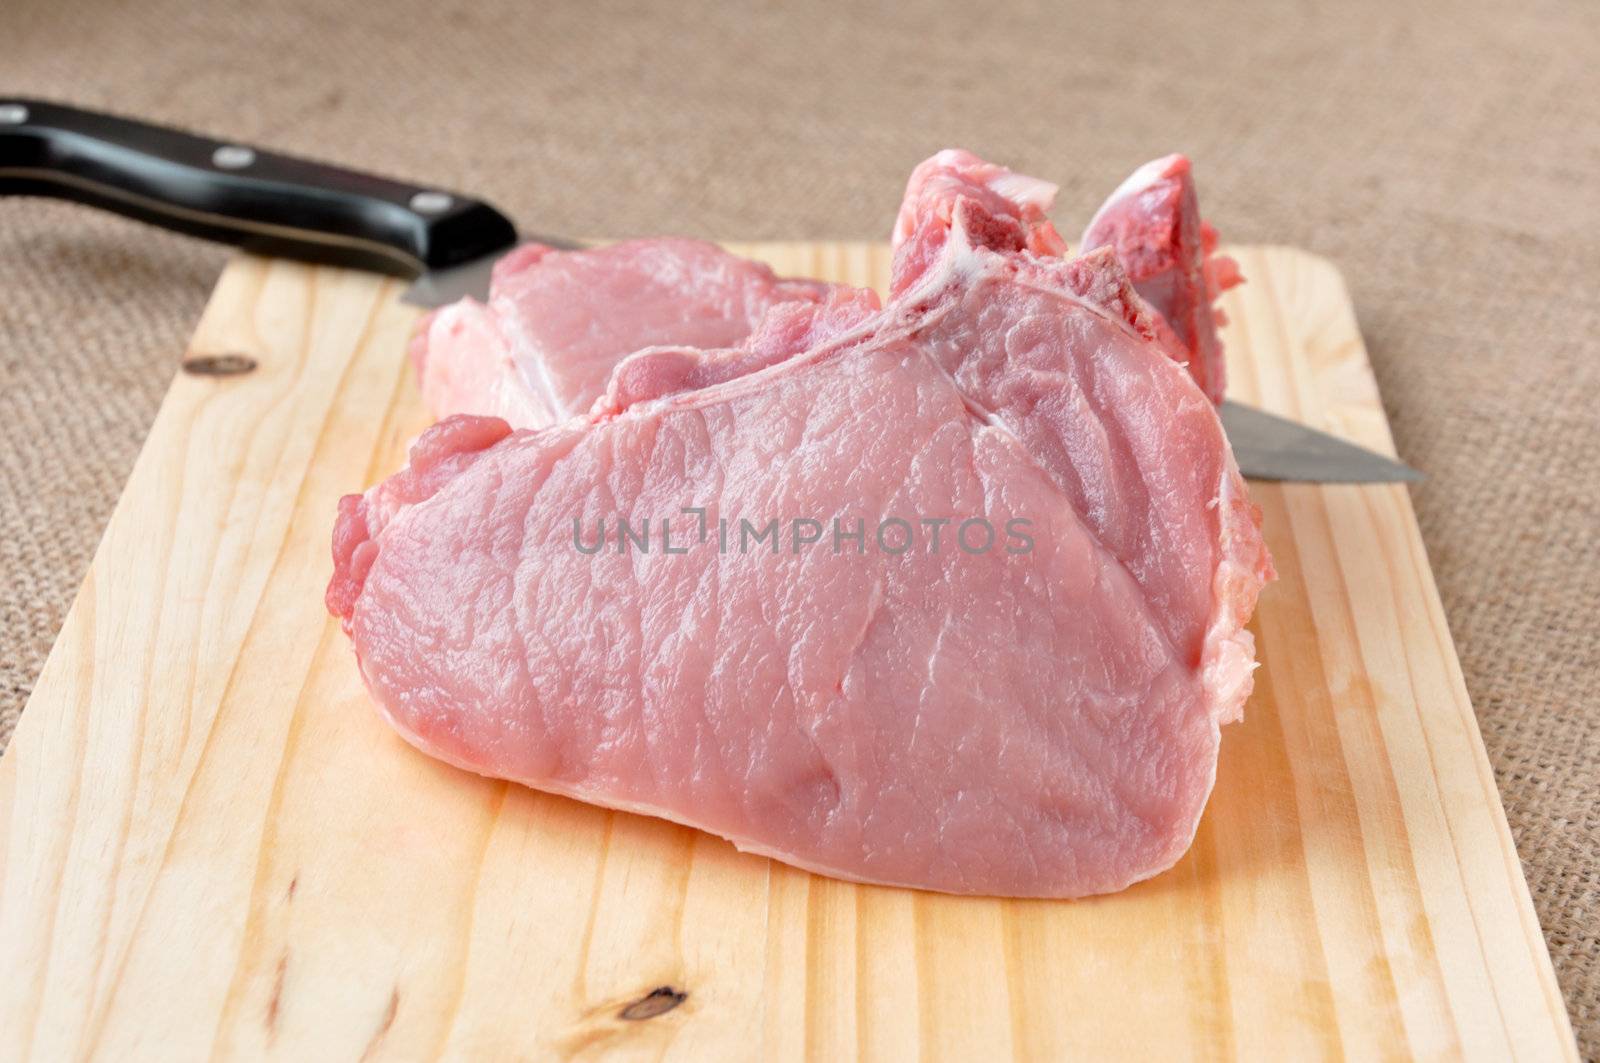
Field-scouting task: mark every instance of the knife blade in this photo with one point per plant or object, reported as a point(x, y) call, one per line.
point(446, 242)
point(1268, 447)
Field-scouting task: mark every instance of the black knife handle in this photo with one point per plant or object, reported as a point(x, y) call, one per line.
point(264, 202)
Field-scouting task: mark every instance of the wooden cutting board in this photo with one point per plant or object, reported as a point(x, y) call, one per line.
point(213, 846)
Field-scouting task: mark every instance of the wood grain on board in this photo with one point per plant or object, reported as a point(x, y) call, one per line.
point(213, 846)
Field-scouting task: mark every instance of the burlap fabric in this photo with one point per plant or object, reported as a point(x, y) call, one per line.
point(1445, 158)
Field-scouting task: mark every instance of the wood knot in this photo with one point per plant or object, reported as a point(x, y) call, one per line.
point(218, 364)
point(658, 1001)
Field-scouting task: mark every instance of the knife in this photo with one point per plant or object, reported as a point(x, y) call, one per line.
point(446, 242)
point(1269, 447)
point(261, 201)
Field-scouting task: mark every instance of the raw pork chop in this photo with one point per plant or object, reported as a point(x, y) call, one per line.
point(1031, 719)
point(558, 322)
point(1152, 222)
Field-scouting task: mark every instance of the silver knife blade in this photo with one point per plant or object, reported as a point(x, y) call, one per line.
point(1268, 447)
point(441, 287)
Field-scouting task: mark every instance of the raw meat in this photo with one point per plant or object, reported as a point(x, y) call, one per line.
point(1152, 221)
point(1037, 718)
point(786, 330)
point(558, 322)
point(1010, 207)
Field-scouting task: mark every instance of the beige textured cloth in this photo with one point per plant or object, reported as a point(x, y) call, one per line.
point(1445, 158)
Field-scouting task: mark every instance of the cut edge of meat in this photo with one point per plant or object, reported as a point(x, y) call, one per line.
point(1152, 220)
point(439, 454)
point(1228, 667)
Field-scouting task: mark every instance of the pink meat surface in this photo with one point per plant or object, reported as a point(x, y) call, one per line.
point(1152, 221)
point(1001, 209)
point(787, 329)
point(1039, 717)
point(558, 322)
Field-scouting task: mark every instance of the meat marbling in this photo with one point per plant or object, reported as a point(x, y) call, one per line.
point(1039, 721)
